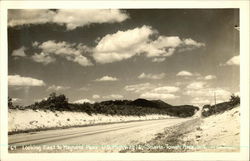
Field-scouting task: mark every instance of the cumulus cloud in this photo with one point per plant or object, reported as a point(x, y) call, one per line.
point(106, 78)
point(233, 61)
point(83, 89)
point(200, 101)
point(196, 85)
point(19, 52)
point(151, 76)
point(96, 96)
point(83, 101)
point(208, 92)
point(72, 18)
point(16, 100)
point(166, 89)
point(57, 88)
point(17, 17)
point(113, 96)
point(43, 58)
point(158, 60)
point(139, 87)
point(190, 42)
point(210, 77)
point(121, 45)
point(17, 80)
point(162, 96)
point(126, 44)
point(184, 73)
point(75, 18)
point(150, 91)
point(70, 51)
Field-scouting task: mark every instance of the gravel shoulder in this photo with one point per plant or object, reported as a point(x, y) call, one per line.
point(217, 133)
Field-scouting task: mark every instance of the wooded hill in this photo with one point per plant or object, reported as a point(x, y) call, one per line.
point(138, 107)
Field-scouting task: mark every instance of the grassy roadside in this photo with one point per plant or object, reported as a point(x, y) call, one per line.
point(171, 140)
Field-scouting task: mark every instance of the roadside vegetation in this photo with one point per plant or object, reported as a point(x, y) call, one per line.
point(196, 135)
point(209, 110)
point(138, 107)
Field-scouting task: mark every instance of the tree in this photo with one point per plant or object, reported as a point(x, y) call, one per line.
point(10, 103)
point(234, 100)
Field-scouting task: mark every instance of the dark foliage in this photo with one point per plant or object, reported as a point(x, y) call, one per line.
point(147, 103)
point(53, 102)
point(209, 110)
point(10, 104)
point(139, 107)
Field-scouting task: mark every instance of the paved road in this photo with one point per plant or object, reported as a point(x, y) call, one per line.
point(100, 138)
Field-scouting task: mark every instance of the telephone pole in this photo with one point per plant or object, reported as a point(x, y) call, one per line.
point(214, 99)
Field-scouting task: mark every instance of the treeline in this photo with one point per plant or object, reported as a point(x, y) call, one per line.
point(209, 110)
point(138, 107)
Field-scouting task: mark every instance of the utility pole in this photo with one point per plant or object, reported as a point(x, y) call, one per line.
point(214, 101)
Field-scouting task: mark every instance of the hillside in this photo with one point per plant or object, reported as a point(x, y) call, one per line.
point(218, 133)
point(215, 135)
point(138, 107)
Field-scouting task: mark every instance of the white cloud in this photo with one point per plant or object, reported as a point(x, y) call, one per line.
point(16, 100)
point(72, 18)
point(166, 89)
point(151, 76)
point(162, 96)
point(84, 101)
point(43, 58)
point(40, 99)
point(59, 48)
point(96, 96)
point(237, 93)
point(113, 96)
point(184, 73)
point(126, 44)
point(191, 42)
point(17, 80)
point(18, 17)
point(121, 45)
point(75, 18)
point(57, 88)
point(196, 85)
point(83, 89)
point(210, 77)
point(208, 93)
point(137, 88)
point(150, 91)
point(19, 52)
point(106, 78)
point(69, 51)
point(200, 101)
point(234, 61)
point(158, 60)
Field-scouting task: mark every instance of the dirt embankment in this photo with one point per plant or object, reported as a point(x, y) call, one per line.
point(32, 120)
point(217, 133)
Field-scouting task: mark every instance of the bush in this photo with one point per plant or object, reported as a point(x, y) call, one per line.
point(209, 110)
point(234, 100)
point(53, 102)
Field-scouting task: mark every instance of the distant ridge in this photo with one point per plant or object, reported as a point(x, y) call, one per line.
point(150, 103)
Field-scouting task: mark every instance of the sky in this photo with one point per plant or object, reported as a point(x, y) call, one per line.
point(180, 56)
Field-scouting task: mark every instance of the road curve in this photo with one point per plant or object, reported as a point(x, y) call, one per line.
point(100, 138)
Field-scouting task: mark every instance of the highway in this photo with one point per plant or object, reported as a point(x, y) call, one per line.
point(99, 138)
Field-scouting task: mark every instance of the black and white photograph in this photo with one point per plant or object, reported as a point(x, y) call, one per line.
point(124, 80)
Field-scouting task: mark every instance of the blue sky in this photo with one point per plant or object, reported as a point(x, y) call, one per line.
point(181, 56)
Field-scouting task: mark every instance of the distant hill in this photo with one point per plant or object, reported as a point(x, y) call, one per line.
point(152, 103)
